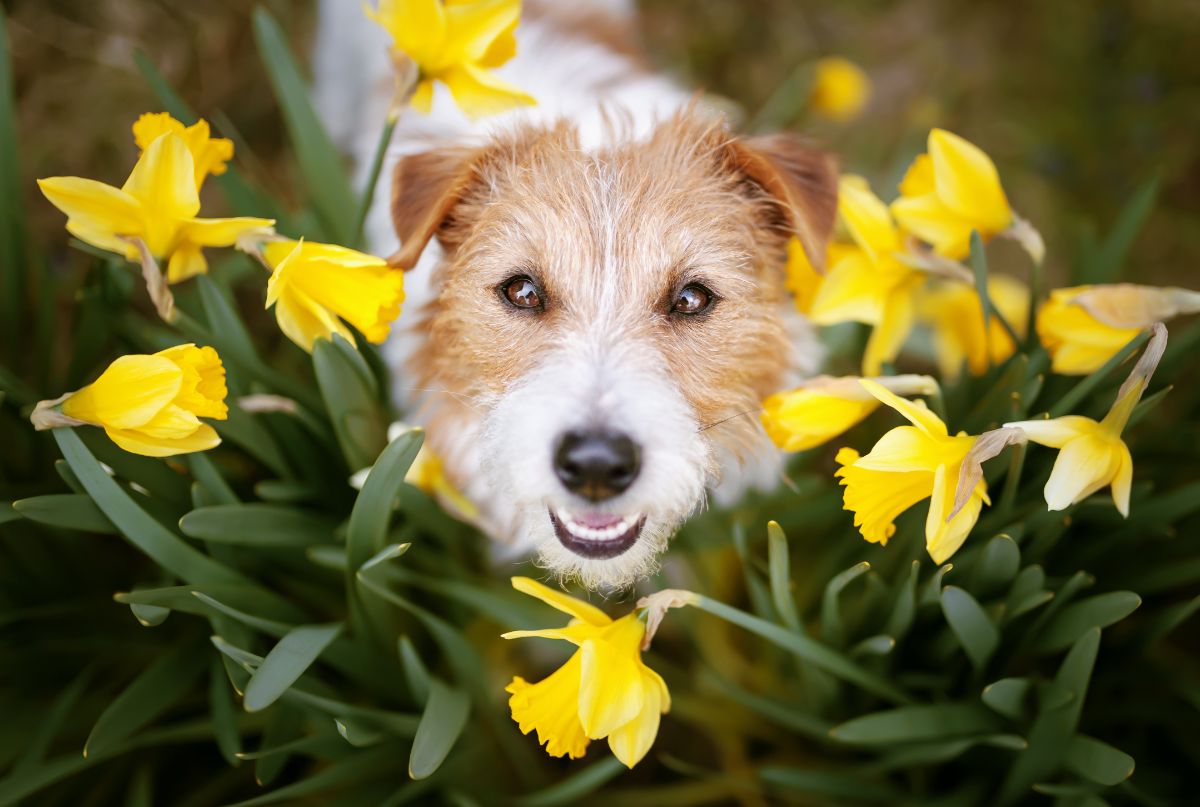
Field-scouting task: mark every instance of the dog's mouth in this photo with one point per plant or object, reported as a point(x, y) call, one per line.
point(596, 536)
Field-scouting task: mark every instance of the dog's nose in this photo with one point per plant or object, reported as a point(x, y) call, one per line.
point(597, 464)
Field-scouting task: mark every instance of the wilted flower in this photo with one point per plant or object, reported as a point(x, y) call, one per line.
point(209, 154)
point(1082, 327)
point(149, 405)
point(314, 284)
point(840, 89)
point(955, 312)
point(952, 190)
point(459, 43)
point(822, 408)
point(603, 690)
point(156, 207)
point(867, 283)
point(1092, 455)
point(907, 465)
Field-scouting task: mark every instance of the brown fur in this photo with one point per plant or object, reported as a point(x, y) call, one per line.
point(691, 203)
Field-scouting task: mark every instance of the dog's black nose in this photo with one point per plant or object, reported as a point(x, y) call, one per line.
point(597, 464)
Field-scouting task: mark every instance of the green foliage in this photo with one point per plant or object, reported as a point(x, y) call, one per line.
point(244, 627)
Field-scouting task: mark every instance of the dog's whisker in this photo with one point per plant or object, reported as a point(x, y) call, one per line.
point(726, 420)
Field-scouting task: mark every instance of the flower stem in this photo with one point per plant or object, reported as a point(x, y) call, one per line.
point(364, 206)
point(1013, 480)
point(809, 650)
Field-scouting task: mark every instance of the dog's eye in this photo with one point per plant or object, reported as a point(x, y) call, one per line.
point(522, 292)
point(693, 299)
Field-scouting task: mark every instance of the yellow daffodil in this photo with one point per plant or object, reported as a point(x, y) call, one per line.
point(156, 206)
point(209, 154)
point(867, 282)
point(1092, 455)
point(313, 284)
point(907, 465)
point(603, 690)
point(955, 313)
point(802, 278)
point(459, 43)
point(840, 89)
point(1082, 327)
point(822, 408)
point(149, 405)
point(950, 191)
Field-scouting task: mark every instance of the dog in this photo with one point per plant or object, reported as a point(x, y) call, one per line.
point(596, 289)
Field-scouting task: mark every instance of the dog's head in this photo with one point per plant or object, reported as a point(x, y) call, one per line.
point(599, 314)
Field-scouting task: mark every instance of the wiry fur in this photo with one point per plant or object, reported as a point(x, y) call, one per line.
point(612, 223)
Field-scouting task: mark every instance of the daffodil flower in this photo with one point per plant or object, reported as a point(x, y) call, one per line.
point(952, 190)
point(149, 405)
point(459, 43)
point(312, 285)
point(955, 312)
point(209, 154)
point(152, 217)
point(907, 465)
point(603, 690)
point(1092, 455)
point(1082, 327)
point(867, 282)
point(840, 89)
point(822, 408)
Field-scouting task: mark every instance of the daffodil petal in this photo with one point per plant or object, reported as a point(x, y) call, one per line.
point(479, 92)
point(878, 497)
point(850, 292)
point(918, 179)
point(868, 220)
point(222, 232)
point(1083, 466)
point(202, 439)
point(611, 691)
point(561, 601)
point(887, 338)
point(1122, 482)
point(417, 28)
point(473, 28)
point(97, 213)
point(930, 220)
point(803, 419)
point(967, 182)
point(163, 180)
point(551, 707)
point(1056, 432)
point(942, 538)
point(907, 448)
point(186, 261)
point(631, 742)
point(915, 412)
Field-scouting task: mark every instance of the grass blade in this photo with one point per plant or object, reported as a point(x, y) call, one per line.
point(286, 662)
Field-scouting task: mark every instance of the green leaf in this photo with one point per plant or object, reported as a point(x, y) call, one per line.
point(576, 786)
point(904, 608)
point(1073, 621)
point(931, 593)
point(7, 513)
point(1097, 761)
point(1079, 393)
point(283, 726)
point(265, 525)
point(811, 651)
point(161, 685)
point(908, 724)
point(781, 594)
point(320, 163)
point(1106, 268)
point(224, 717)
point(347, 387)
point(1056, 721)
point(979, 266)
point(996, 566)
point(832, 629)
point(139, 527)
point(1008, 696)
point(70, 511)
point(442, 722)
point(149, 616)
point(372, 511)
point(833, 786)
point(51, 722)
point(415, 672)
point(286, 662)
point(971, 625)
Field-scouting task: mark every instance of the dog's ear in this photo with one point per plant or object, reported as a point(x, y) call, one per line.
point(426, 188)
point(800, 180)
